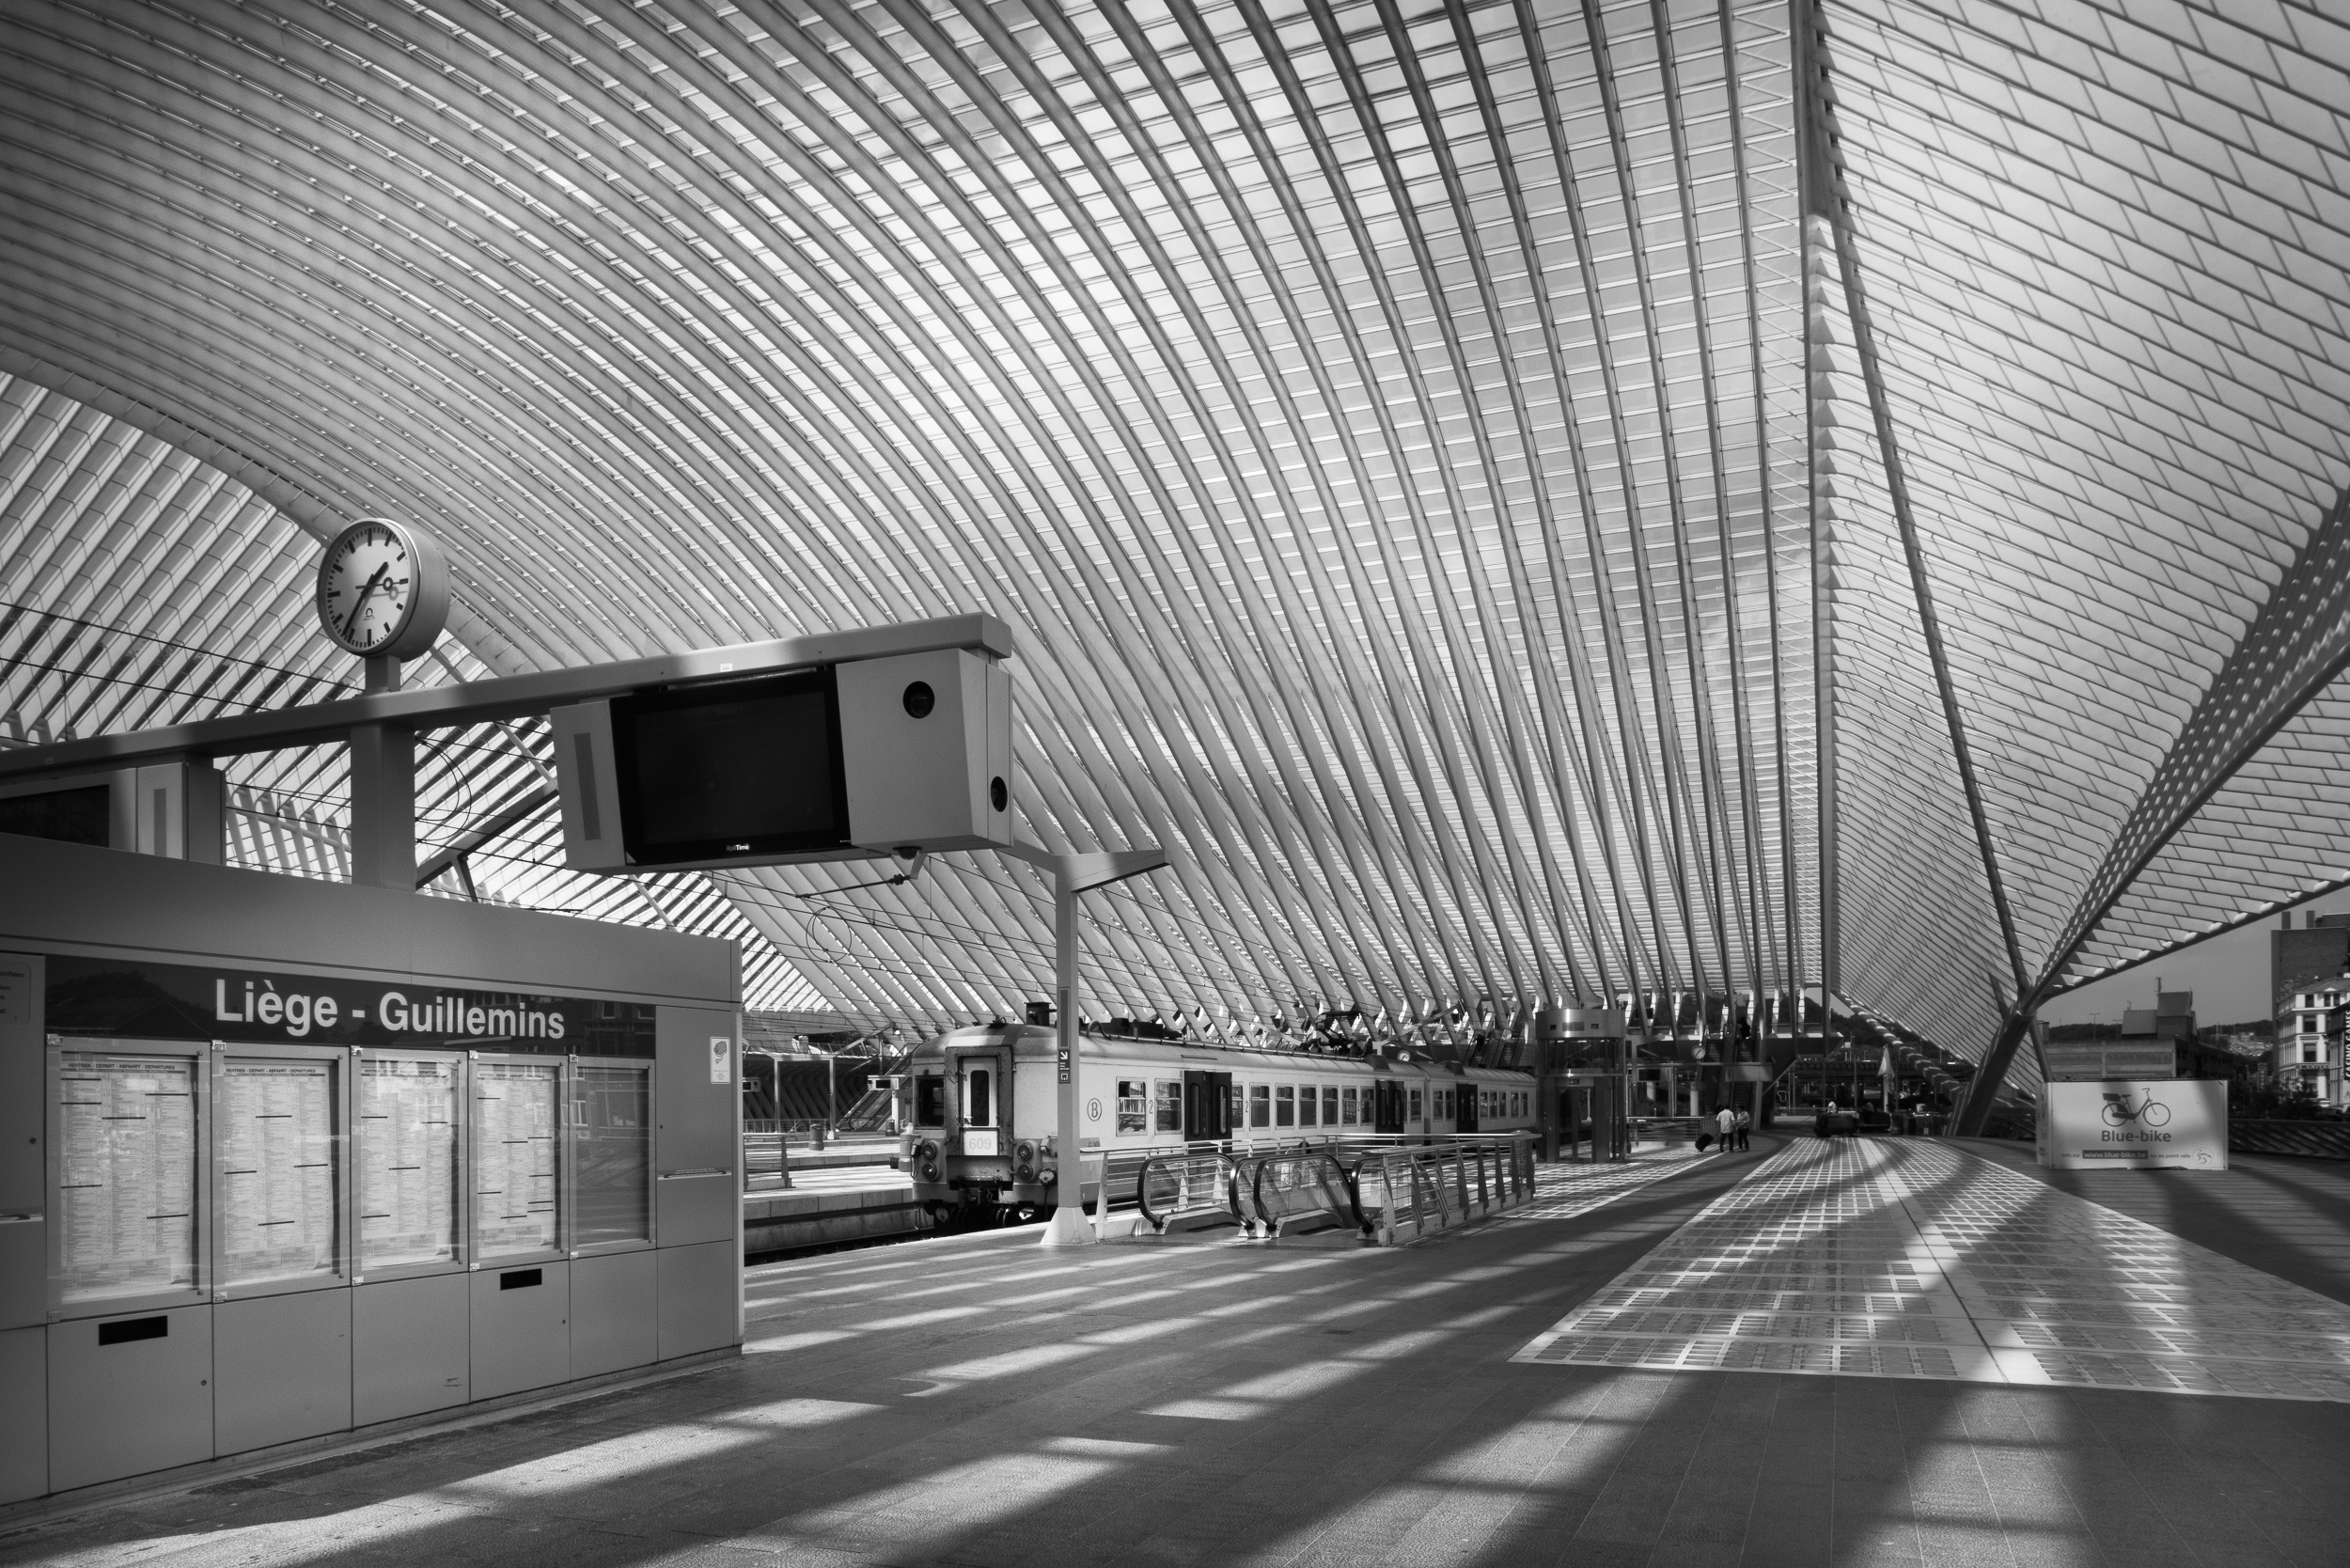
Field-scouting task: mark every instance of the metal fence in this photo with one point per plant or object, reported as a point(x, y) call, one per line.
point(1401, 1194)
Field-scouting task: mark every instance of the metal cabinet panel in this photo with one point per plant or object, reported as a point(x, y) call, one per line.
point(701, 1297)
point(129, 1394)
point(409, 1347)
point(615, 1312)
point(697, 1113)
point(522, 1336)
point(692, 1209)
point(23, 1414)
point(23, 1272)
point(281, 1368)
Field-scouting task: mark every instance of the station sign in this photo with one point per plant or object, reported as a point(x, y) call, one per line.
point(2143, 1123)
point(113, 998)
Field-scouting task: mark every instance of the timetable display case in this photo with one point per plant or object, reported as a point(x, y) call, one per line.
point(516, 1157)
point(128, 1176)
point(279, 1182)
point(410, 1154)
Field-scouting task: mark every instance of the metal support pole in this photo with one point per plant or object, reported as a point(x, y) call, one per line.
point(1073, 874)
point(1068, 1227)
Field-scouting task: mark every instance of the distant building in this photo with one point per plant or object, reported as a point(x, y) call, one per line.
point(2298, 960)
point(2310, 1040)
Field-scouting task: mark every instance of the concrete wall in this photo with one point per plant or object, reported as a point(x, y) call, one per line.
point(97, 1390)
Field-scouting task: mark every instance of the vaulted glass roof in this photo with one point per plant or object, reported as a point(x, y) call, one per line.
point(1431, 457)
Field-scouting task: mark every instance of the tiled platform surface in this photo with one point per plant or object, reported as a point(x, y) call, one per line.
point(2285, 1217)
point(982, 1402)
point(1893, 1258)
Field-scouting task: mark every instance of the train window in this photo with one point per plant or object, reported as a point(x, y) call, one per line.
point(1134, 1105)
point(1170, 1106)
point(1308, 1100)
point(1234, 1115)
point(1285, 1106)
point(1346, 1105)
point(1260, 1105)
point(1414, 1114)
point(1329, 1106)
point(930, 1101)
point(977, 1112)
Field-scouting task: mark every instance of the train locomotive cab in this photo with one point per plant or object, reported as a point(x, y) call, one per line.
point(977, 1143)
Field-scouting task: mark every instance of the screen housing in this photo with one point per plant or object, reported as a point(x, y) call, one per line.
point(650, 826)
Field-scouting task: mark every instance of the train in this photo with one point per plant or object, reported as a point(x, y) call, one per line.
point(978, 1119)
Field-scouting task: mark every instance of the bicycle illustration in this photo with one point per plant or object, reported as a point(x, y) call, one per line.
point(2119, 1112)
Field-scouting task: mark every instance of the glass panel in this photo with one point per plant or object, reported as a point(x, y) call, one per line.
point(1260, 1105)
point(1170, 1107)
point(611, 1156)
point(1133, 1105)
point(981, 1114)
point(1285, 1106)
point(274, 1120)
point(125, 1174)
point(929, 1102)
point(1413, 1113)
point(1329, 1106)
point(407, 1162)
point(513, 1157)
point(1346, 1105)
point(1308, 1101)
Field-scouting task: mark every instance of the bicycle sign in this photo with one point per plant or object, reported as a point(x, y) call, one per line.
point(2140, 1122)
point(2119, 1112)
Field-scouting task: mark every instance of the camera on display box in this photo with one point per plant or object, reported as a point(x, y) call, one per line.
point(888, 756)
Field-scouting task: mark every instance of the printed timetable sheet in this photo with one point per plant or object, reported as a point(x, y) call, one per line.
point(127, 1174)
point(276, 1127)
point(407, 1161)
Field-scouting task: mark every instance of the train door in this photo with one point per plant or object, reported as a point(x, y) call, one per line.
point(982, 1089)
point(1465, 1106)
point(1206, 1100)
point(1386, 1102)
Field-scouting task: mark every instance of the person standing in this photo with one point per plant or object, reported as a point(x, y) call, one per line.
point(1727, 1121)
point(1744, 1122)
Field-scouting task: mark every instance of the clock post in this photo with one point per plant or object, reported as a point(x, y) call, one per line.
point(383, 593)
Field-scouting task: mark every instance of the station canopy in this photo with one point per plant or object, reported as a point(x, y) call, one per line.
point(1529, 502)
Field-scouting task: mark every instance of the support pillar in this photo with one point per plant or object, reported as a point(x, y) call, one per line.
point(1073, 874)
point(384, 807)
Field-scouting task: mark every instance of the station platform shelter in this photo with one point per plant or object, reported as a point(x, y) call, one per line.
point(1878, 1350)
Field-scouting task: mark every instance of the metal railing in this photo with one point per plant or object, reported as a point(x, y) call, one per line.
point(1401, 1194)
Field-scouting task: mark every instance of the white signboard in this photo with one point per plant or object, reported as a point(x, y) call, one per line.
point(2175, 1124)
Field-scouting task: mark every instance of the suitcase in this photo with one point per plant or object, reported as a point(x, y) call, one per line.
point(1705, 1141)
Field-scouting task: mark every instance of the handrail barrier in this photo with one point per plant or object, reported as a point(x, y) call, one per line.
point(1187, 1192)
point(1401, 1194)
point(1276, 1191)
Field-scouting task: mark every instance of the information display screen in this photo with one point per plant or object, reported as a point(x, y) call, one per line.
point(745, 767)
point(125, 1174)
point(612, 1156)
point(275, 1126)
point(514, 1157)
point(407, 1160)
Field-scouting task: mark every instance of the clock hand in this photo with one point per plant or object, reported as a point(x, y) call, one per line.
point(365, 594)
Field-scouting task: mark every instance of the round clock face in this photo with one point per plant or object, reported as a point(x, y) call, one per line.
point(380, 590)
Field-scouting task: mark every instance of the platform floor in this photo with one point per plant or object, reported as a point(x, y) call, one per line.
point(980, 1401)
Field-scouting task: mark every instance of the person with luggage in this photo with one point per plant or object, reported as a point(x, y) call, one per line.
point(1726, 1121)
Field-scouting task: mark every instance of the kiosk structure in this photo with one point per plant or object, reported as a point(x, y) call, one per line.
point(281, 1158)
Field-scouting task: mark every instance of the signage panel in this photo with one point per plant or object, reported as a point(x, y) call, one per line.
point(116, 999)
point(2163, 1123)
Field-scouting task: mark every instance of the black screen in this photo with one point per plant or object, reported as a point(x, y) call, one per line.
point(746, 768)
point(80, 816)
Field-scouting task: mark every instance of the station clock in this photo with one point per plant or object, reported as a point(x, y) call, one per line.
point(383, 590)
